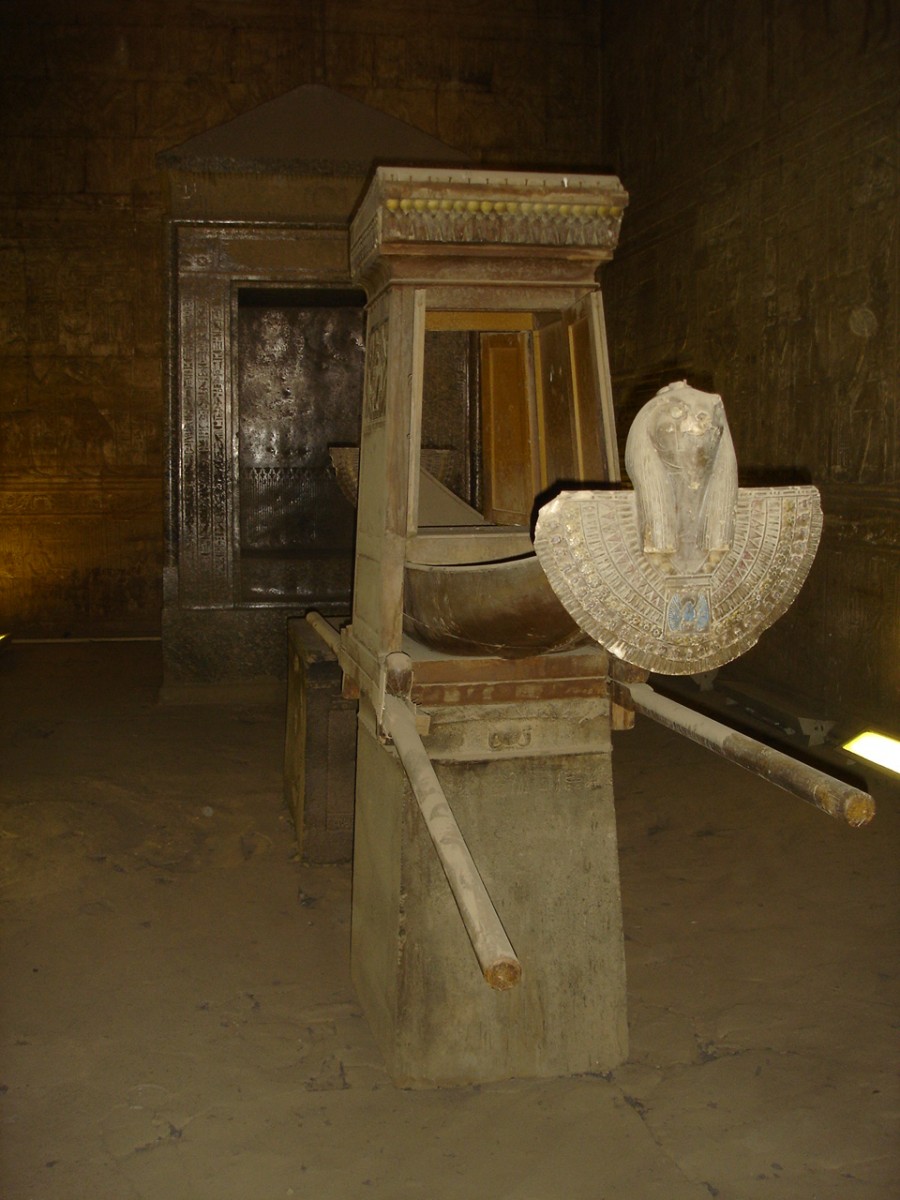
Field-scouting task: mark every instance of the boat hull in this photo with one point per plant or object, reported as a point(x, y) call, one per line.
point(495, 609)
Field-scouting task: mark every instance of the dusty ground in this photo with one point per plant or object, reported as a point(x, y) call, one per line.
point(178, 1021)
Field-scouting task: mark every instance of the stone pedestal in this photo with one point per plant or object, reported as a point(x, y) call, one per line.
point(319, 752)
point(530, 785)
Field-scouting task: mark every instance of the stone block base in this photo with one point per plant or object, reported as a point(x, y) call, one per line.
point(320, 749)
point(540, 825)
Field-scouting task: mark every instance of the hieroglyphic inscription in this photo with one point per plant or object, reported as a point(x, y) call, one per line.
point(202, 254)
point(590, 547)
point(220, 458)
point(205, 549)
point(186, 467)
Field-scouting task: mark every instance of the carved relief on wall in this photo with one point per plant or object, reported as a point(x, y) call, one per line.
point(686, 572)
point(300, 367)
point(80, 499)
point(51, 542)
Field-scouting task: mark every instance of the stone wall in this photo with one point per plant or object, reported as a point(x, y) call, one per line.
point(758, 256)
point(759, 259)
point(89, 94)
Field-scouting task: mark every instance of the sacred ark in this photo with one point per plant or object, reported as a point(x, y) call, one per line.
point(486, 917)
point(484, 809)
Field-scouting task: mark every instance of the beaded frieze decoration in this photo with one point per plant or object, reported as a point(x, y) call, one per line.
point(683, 574)
point(575, 216)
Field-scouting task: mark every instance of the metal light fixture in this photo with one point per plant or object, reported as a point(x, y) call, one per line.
point(878, 748)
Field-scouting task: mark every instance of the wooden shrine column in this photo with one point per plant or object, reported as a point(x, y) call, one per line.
point(389, 464)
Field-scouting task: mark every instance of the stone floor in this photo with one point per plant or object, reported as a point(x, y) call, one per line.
point(178, 1021)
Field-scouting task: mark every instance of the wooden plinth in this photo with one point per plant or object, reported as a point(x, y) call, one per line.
point(530, 784)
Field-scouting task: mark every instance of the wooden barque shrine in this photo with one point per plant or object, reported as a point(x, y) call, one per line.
point(478, 692)
point(485, 712)
point(500, 268)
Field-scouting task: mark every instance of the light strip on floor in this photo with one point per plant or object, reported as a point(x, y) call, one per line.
point(876, 748)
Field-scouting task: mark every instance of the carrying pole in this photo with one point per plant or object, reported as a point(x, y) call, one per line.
point(832, 796)
point(493, 949)
point(326, 632)
point(499, 964)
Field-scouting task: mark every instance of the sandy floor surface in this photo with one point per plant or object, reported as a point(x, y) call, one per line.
point(178, 1021)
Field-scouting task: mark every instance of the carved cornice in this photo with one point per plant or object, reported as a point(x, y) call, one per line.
point(485, 212)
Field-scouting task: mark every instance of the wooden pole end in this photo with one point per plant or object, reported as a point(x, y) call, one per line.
point(859, 810)
point(503, 974)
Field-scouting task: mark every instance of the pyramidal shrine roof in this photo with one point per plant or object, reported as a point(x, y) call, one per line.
point(312, 130)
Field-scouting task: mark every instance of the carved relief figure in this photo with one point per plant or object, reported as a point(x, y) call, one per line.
point(376, 374)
